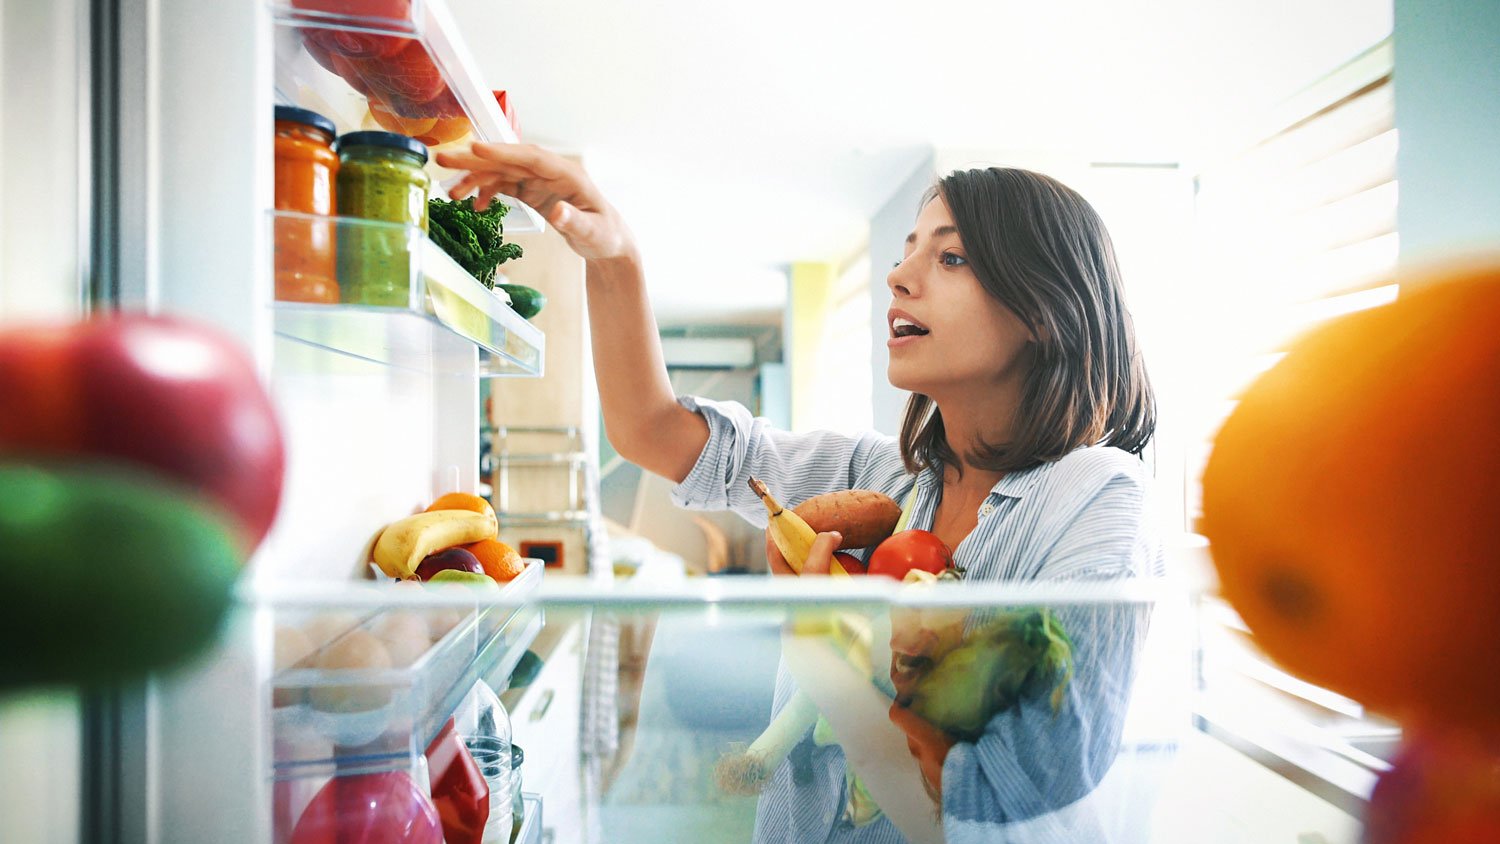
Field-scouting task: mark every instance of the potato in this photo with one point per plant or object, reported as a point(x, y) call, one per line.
point(864, 517)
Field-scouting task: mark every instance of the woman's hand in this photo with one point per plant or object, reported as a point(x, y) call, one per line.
point(927, 743)
point(819, 557)
point(557, 188)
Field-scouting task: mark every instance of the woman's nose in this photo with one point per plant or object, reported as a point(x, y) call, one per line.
point(897, 282)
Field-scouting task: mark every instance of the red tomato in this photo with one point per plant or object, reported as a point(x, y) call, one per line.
point(321, 54)
point(851, 563)
point(445, 104)
point(410, 74)
point(381, 14)
point(907, 550)
point(157, 392)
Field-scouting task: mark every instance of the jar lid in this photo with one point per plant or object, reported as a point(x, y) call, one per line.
point(517, 756)
point(306, 117)
point(390, 140)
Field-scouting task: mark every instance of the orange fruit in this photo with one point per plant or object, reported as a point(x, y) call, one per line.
point(500, 561)
point(445, 130)
point(393, 122)
point(462, 501)
point(1351, 503)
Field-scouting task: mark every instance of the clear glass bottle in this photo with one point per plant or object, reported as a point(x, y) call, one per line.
point(518, 809)
point(483, 724)
point(381, 178)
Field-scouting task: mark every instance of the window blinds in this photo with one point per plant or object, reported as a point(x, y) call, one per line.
point(1296, 229)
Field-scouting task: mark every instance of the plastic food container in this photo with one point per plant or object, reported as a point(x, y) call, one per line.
point(306, 168)
point(381, 177)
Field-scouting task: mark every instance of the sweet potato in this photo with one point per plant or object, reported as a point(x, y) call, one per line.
point(864, 517)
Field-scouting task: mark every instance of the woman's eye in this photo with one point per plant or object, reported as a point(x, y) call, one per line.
point(953, 259)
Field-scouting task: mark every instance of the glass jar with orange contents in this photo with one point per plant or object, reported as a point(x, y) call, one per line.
point(306, 170)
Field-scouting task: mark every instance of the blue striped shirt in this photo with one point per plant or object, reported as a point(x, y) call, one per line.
point(1080, 518)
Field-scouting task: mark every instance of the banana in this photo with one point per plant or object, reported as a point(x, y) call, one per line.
point(404, 543)
point(791, 533)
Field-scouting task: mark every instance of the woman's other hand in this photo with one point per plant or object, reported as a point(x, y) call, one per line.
point(819, 557)
point(559, 189)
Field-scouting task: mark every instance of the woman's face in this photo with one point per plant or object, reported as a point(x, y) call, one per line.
point(947, 335)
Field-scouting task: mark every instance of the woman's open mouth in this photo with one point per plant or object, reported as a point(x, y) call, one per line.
point(904, 329)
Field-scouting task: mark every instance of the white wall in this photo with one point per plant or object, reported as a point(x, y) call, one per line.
point(888, 229)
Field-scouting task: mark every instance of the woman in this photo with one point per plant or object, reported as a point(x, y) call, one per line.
point(1020, 449)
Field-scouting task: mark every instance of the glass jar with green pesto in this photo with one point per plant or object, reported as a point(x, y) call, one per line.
point(381, 177)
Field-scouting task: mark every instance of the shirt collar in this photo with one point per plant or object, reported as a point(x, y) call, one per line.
point(1017, 484)
point(1014, 485)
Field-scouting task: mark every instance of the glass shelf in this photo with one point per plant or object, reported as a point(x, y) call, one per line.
point(396, 65)
point(431, 311)
point(375, 719)
point(699, 668)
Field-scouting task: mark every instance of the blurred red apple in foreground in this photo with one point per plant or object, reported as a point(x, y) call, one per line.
point(162, 393)
point(1442, 788)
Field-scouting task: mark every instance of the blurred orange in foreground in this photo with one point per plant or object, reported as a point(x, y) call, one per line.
point(500, 561)
point(1352, 504)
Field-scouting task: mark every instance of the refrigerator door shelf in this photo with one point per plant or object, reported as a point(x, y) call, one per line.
point(431, 325)
point(395, 65)
point(531, 825)
point(334, 721)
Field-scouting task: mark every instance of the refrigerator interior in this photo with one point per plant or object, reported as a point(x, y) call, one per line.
point(637, 692)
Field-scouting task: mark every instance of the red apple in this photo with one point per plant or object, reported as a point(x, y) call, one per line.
point(163, 393)
point(458, 559)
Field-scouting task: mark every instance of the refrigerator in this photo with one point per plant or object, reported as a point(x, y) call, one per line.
point(637, 701)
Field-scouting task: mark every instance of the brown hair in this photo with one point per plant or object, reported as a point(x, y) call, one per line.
point(1041, 250)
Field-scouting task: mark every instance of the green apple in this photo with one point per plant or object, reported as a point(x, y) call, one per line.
point(468, 578)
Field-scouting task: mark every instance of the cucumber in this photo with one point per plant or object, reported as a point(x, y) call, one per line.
point(109, 575)
point(526, 301)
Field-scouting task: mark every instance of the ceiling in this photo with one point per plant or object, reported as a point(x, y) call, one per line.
point(737, 138)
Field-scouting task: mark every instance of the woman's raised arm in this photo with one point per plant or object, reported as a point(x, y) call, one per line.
point(642, 418)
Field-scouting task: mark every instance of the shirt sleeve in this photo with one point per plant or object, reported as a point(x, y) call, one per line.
point(1031, 762)
point(795, 467)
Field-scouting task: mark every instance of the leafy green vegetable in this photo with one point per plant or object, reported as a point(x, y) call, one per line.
point(1019, 654)
point(472, 238)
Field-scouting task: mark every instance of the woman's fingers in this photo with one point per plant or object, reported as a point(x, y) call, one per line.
point(820, 556)
point(523, 164)
point(559, 189)
point(529, 157)
point(463, 160)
